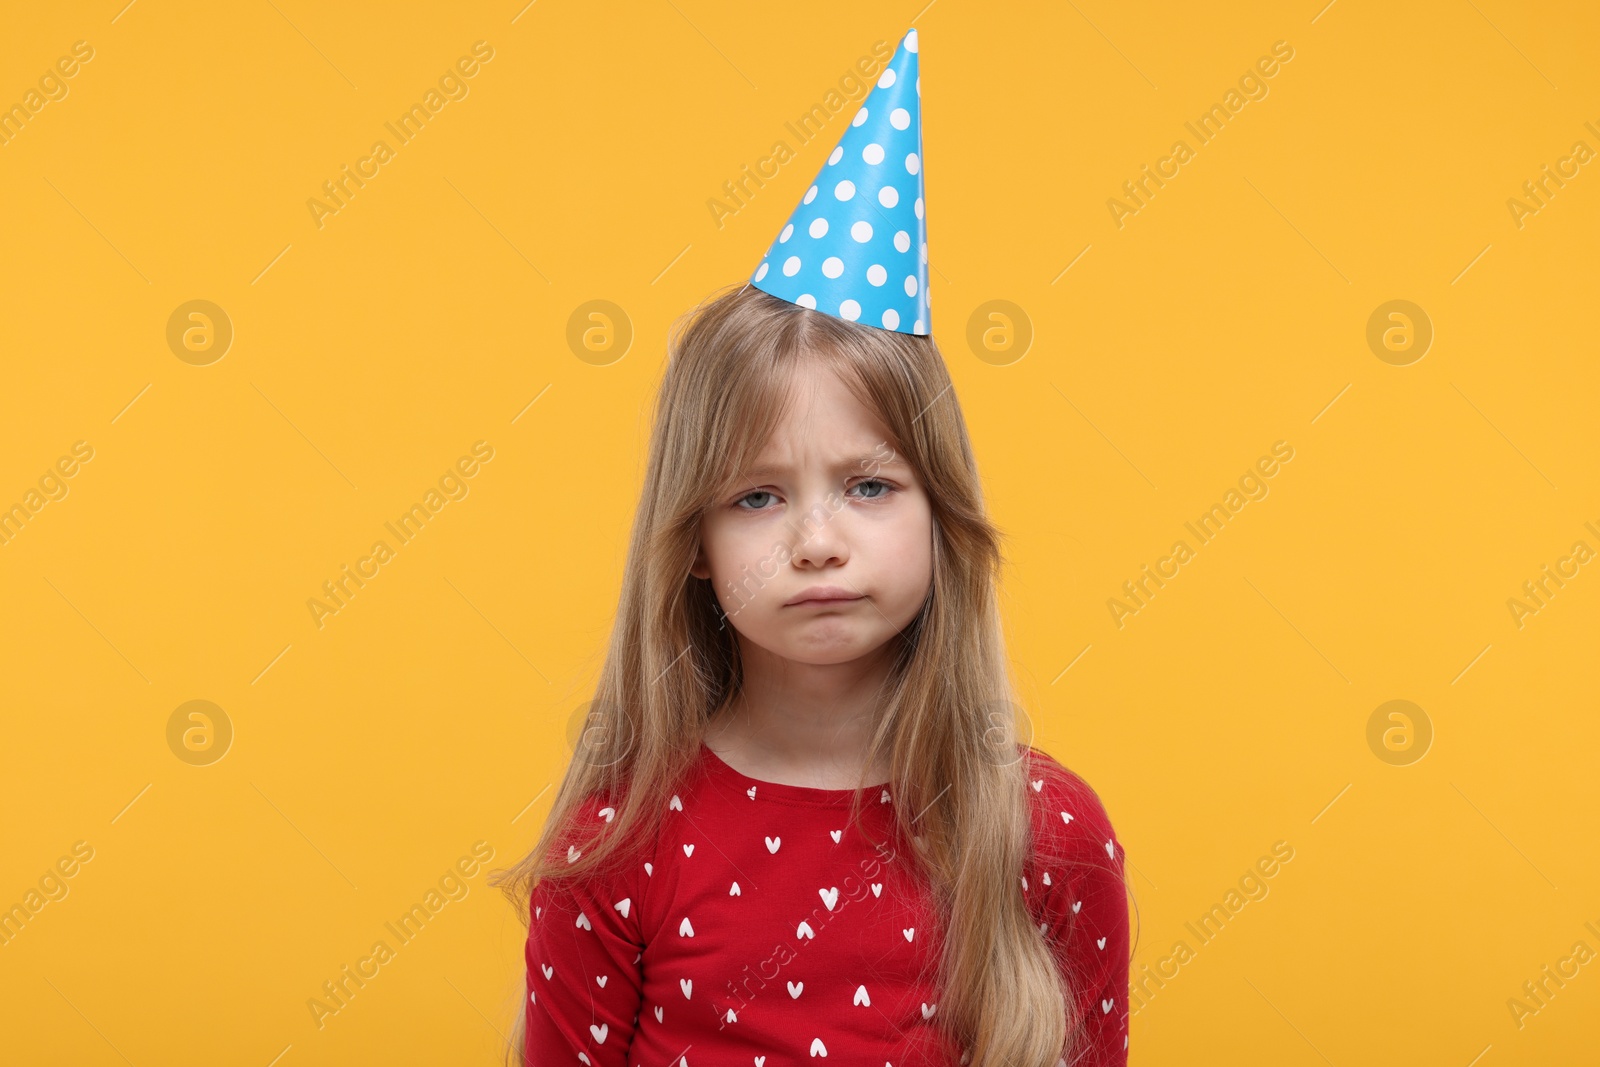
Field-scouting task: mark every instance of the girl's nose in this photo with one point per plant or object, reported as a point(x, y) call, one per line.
point(818, 538)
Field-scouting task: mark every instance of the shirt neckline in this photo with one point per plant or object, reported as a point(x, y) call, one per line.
point(802, 794)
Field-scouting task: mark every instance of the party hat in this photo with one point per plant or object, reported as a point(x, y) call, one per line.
point(856, 246)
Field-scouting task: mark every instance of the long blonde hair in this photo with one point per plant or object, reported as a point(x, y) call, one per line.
point(944, 728)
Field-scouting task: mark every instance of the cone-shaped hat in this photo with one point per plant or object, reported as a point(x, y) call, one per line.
point(856, 246)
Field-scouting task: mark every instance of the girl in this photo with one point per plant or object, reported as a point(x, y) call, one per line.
point(800, 824)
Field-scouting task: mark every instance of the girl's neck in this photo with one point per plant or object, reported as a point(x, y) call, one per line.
point(802, 724)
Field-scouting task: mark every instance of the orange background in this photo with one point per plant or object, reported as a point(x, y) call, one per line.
point(1440, 859)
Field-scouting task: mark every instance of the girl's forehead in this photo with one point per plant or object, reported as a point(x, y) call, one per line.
point(817, 393)
point(827, 428)
point(817, 419)
point(833, 457)
point(834, 446)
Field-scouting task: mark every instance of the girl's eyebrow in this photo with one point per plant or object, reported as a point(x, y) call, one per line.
point(859, 463)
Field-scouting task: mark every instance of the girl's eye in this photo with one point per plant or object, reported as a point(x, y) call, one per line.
point(755, 492)
point(885, 486)
point(884, 490)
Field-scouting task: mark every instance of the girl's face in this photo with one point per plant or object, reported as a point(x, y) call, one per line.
point(830, 510)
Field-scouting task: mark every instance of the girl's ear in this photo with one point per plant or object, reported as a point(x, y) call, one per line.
point(700, 569)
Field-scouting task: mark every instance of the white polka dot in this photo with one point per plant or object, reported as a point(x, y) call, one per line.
point(899, 118)
point(761, 271)
point(924, 252)
point(917, 207)
point(873, 154)
point(845, 189)
point(913, 164)
point(811, 194)
point(916, 327)
point(788, 232)
point(891, 319)
point(861, 116)
point(888, 196)
point(850, 310)
point(877, 275)
point(862, 232)
point(911, 41)
point(887, 79)
point(806, 300)
point(833, 266)
point(919, 85)
point(819, 227)
point(790, 266)
point(838, 154)
point(911, 285)
point(902, 241)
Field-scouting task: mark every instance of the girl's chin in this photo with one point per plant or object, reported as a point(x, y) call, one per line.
point(829, 653)
point(820, 641)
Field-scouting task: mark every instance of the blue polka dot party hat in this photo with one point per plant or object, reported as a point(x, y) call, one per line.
point(856, 246)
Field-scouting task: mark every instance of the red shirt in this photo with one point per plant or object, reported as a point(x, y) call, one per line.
point(764, 930)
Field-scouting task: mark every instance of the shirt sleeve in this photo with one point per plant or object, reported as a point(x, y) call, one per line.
point(1078, 896)
point(585, 980)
